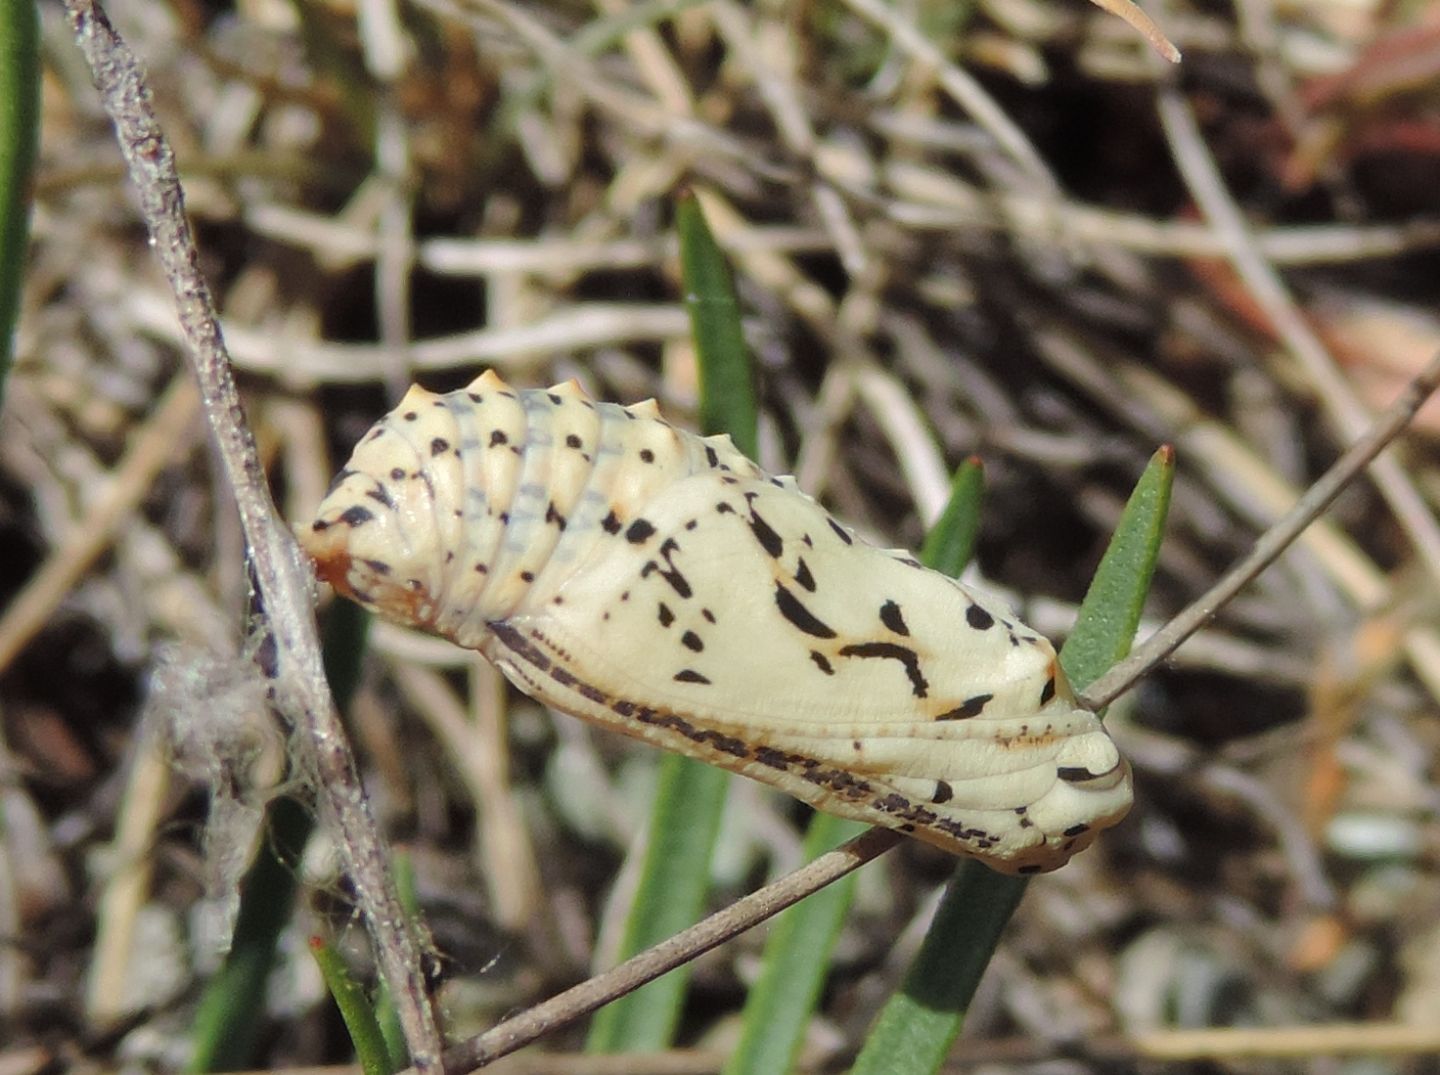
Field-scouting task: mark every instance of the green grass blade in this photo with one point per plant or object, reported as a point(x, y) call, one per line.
point(917, 1026)
point(675, 878)
point(1110, 613)
point(355, 1008)
point(385, 1013)
point(797, 953)
point(690, 799)
point(230, 1012)
point(915, 1029)
point(727, 393)
point(951, 541)
point(19, 140)
point(797, 957)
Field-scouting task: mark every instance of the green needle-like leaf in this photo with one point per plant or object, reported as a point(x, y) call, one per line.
point(690, 799)
point(951, 541)
point(917, 1026)
point(1110, 613)
point(797, 953)
point(355, 1009)
point(727, 392)
point(19, 139)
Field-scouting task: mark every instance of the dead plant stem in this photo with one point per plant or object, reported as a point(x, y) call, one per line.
point(299, 691)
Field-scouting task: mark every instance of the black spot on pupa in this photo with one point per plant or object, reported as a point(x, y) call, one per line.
point(910, 561)
point(689, 675)
point(666, 616)
point(765, 534)
point(670, 573)
point(1076, 830)
point(709, 616)
point(1048, 691)
point(1075, 774)
point(475, 397)
point(722, 507)
point(908, 658)
point(380, 496)
point(821, 663)
point(800, 616)
point(803, 576)
point(855, 745)
point(710, 456)
point(553, 398)
point(692, 524)
point(646, 455)
point(572, 441)
point(505, 518)
point(356, 515)
point(380, 567)
point(527, 576)
point(439, 446)
point(809, 543)
point(891, 618)
point(409, 416)
point(978, 618)
point(971, 707)
point(481, 569)
point(553, 516)
point(611, 523)
point(639, 532)
point(943, 792)
point(498, 437)
point(840, 532)
point(777, 483)
point(691, 641)
point(397, 474)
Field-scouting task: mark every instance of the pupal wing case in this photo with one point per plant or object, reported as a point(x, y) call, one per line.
point(660, 584)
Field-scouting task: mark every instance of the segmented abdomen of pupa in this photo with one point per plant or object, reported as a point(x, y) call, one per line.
point(660, 584)
point(455, 510)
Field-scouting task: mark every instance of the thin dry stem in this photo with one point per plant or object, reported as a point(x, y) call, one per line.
point(1271, 544)
point(1349, 415)
point(745, 913)
point(299, 690)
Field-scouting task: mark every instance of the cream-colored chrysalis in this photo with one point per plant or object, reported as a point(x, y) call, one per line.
point(660, 584)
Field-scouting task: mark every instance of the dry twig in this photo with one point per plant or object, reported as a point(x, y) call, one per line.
point(299, 690)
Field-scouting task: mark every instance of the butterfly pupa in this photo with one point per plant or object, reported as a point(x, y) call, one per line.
point(660, 584)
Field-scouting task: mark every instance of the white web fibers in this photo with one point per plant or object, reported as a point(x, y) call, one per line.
point(213, 715)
